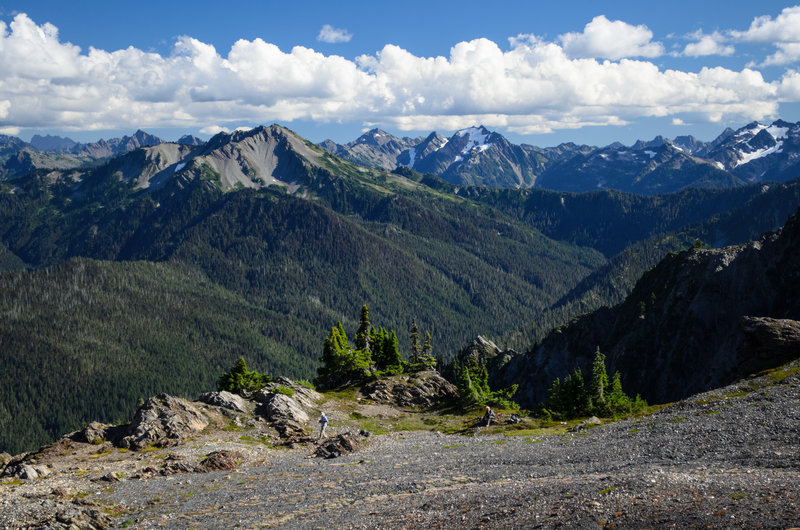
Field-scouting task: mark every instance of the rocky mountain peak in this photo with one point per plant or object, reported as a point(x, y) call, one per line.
point(188, 139)
point(52, 143)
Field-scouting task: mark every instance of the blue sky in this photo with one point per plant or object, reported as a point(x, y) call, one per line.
point(538, 72)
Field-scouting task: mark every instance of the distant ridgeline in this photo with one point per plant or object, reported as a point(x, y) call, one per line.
point(153, 268)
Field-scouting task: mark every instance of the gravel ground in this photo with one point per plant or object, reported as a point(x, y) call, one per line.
point(729, 458)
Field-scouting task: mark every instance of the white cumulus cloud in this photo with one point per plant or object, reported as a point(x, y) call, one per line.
point(530, 86)
point(611, 39)
point(783, 28)
point(783, 32)
point(713, 44)
point(333, 35)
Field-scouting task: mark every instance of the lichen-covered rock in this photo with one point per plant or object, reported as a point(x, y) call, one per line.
point(161, 421)
point(425, 389)
point(280, 407)
point(94, 433)
point(224, 399)
point(304, 396)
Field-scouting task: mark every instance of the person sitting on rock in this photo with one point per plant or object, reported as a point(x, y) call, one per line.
point(323, 422)
point(488, 416)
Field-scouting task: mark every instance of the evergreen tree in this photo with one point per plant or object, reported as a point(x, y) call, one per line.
point(385, 351)
point(391, 351)
point(342, 364)
point(414, 342)
point(427, 351)
point(472, 381)
point(599, 384)
point(240, 378)
point(568, 399)
point(362, 338)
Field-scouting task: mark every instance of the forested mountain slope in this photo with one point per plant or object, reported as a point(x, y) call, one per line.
point(681, 330)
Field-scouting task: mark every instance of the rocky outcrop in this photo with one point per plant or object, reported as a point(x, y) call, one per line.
point(161, 421)
point(225, 400)
point(304, 396)
point(287, 405)
point(288, 418)
point(488, 353)
point(425, 390)
point(97, 433)
point(220, 461)
point(25, 471)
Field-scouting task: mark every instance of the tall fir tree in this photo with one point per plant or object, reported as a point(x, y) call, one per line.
point(599, 383)
point(414, 342)
point(362, 338)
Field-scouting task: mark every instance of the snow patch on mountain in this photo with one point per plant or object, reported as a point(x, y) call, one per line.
point(760, 153)
point(779, 133)
point(412, 155)
point(476, 138)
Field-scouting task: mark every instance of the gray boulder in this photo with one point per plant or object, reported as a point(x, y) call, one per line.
point(285, 414)
point(161, 421)
point(280, 407)
point(225, 400)
point(587, 423)
point(94, 433)
point(339, 445)
point(26, 471)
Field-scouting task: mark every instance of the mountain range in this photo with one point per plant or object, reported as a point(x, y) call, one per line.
point(478, 157)
point(153, 269)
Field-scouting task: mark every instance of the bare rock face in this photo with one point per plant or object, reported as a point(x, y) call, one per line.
point(680, 331)
point(767, 342)
point(423, 389)
point(162, 420)
point(280, 407)
point(224, 399)
point(286, 415)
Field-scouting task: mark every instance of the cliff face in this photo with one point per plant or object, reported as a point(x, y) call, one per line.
point(682, 330)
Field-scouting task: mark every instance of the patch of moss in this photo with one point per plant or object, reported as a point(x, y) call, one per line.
point(777, 376)
point(285, 390)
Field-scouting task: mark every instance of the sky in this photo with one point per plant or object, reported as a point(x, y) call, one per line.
point(538, 72)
